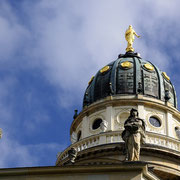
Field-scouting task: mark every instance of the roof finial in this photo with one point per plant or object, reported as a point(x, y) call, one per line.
point(129, 35)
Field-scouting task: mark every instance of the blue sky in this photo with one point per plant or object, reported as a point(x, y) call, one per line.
point(49, 50)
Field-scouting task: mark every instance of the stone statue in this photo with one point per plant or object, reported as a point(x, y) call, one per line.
point(1, 133)
point(133, 135)
point(177, 129)
point(129, 35)
point(167, 95)
point(111, 89)
point(75, 114)
point(104, 126)
point(140, 88)
point(72, 153)
point(73, 137)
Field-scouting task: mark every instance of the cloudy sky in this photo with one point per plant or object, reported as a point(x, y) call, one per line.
point(49, 50)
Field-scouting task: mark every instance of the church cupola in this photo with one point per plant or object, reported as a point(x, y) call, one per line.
point(130, 83)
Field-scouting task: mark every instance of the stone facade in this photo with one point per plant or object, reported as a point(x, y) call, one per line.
point(162, 147)
point(139, 171)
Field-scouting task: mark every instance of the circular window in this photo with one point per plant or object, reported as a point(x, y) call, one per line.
point(155, 121)
point(79, 136)
point(96, 124)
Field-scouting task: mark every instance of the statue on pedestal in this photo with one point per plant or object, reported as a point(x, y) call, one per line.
point(133, 135)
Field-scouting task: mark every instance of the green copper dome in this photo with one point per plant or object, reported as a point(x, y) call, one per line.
point(130, 75)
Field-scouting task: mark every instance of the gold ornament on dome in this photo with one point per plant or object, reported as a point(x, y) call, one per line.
point(126, 65)
point(91, 80)
point(104, 69)
point(129, 35)
point(166, 76)
point(149, 67)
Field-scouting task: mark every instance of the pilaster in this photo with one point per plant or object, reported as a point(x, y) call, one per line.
point(110, 117)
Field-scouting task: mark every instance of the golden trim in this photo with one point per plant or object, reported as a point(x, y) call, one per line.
point(126, 64)
point(91, 80)
point(149, 67)
point(104, 69)
point(166, 76)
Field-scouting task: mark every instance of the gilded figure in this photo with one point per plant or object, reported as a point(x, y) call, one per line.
point(129, 35)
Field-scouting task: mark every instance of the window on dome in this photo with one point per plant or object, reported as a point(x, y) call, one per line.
point(155, 121)
point(79, 136)
point(96, 123)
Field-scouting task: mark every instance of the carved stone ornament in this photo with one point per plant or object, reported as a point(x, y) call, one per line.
point(72, 153)
point(177, 129)
point(73, 137)
point(133, 135)
point(121, 116)
point(104, 126)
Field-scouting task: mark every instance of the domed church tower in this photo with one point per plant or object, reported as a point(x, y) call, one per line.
point(97, 132)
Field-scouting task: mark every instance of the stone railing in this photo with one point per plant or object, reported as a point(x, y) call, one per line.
point(162, 140)
point(114, 137)
point(81, 145)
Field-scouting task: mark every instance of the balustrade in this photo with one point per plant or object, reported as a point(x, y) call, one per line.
point(113, 137)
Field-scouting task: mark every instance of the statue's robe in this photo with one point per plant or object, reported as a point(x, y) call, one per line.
point(134, 136)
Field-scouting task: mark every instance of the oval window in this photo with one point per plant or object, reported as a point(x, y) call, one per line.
point(79, 136)
point(96, 123)
point(155, 121)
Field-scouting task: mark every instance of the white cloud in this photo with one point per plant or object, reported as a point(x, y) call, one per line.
point(74, 43)
point(14, 154)
point(69, 41)
point(12, 33)
point(6, 85)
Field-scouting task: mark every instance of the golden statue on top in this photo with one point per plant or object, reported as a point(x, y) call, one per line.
point(129, 35)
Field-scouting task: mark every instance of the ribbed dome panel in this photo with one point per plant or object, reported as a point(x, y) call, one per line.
point(128, 75)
